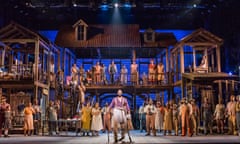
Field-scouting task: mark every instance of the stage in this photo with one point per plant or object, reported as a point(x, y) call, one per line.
point(137, 137)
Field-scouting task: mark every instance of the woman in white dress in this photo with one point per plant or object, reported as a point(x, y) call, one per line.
point(97, 124)
point(159, 117)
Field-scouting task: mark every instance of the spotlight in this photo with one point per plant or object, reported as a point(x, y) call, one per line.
point(194, 5)
point(74, 5)
point(116, 5)
point(230, 73)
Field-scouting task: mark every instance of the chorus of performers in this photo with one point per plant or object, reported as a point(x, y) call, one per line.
point(97, 74)
point(186, 117)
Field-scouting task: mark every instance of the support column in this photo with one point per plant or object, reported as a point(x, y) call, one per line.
point(36, 67)
point(227, 92)
point(218, 58)
point(3, 55)
point(0, 95)
point(182, 87)
point(182, 59)
point(167, 60)
point(212, 62)
point(134, 102)
point(194, 59)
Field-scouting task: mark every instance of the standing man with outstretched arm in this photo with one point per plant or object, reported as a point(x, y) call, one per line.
point(120, 107)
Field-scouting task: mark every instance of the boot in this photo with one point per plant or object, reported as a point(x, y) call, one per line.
point(183, 131)
point(189, 132)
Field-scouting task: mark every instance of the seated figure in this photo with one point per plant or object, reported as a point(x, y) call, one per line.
point(203, 67)
point(203, 62)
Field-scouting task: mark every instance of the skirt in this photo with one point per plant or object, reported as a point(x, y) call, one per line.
point(119, 116)
point(28, 122)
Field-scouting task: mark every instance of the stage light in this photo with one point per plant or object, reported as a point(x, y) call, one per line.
point(116, 5)
point(74, 5)
point(194, 5)
point(104, 7)
point(230, 73)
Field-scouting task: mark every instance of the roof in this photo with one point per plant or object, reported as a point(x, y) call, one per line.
point(117, 35)
point(202, 36)
point(17, 31)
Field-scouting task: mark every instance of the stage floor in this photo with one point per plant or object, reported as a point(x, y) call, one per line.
point(137, 137)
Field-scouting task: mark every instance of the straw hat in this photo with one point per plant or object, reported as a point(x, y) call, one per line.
point(3, 99)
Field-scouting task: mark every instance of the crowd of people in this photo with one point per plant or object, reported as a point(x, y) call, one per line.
point(183, 118)
point(187, 117)
point(97, 75)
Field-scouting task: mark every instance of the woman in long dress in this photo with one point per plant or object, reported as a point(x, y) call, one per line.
point(97, 124)
point(28, 119)
point(168, 117)
point(159, 117)
point(86, 119)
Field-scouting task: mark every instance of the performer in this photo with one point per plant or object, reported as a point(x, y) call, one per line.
point(36, 117)
point(207, 116)
point(219, 116)
point(168, 117)
point(81, 74)
point(160, 73)
point(52, 72)
point(159, 116)
point(231, 112)
point(123, 75)
point(28, 119)
point(3, 107)
point(59, 82)
point(151, 72)
point(81, 93)
point(98, 73)
point(238, 114)
point(119, 114)
point(203, 62)
point(106, 118)
point(175, 119)
point(150, 111)
point(52, 113)
point(86, 118)
point(184, 117)
point(8, 120)
point(142, 117)
point(194, 116)
point(103, 74)
point(134, 73)
point(112, 69)
point(96, 125)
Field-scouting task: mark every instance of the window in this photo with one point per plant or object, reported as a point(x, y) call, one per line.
point(80, 32)
point(149, 36)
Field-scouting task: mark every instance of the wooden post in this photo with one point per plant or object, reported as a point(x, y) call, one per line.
point(218, 58)
point(134, 101)
point(182, 87)
point(227, 92)
point(194, 59)
point(59, 61)
point(182, 58)
point(36, 56)
point(3, 55)
point(167, 60)
point(212, 62)
point(0, 95)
